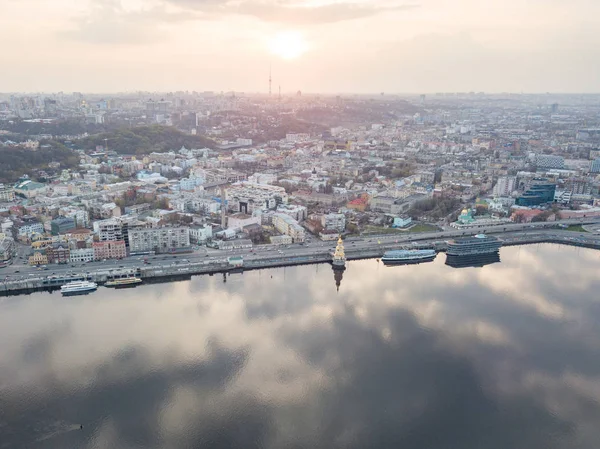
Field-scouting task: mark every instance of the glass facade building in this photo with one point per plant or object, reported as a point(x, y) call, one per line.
point(537, 193)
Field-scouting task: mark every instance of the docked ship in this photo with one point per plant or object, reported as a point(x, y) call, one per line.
point(123, 282)
point(78, 287)
point(473, 246)
point(408, 256)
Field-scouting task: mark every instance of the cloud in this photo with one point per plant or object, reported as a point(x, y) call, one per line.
point(292, 12)
point(108, 22)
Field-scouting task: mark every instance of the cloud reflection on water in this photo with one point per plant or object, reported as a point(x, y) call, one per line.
point(420, 356)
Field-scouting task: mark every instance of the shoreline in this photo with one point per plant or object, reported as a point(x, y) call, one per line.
point(178, 272)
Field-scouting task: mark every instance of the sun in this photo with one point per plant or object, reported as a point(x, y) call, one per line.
point(288, 45)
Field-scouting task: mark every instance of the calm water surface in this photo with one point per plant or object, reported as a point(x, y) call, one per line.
point(423, 356)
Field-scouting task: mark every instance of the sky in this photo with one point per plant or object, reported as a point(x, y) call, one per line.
point(329, 46)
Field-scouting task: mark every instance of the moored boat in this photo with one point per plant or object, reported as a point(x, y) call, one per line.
point(123, 282)
point(78, 287)
point(473, 246)
point(408, 256)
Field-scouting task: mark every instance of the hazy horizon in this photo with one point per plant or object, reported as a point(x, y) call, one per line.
point(318, 46)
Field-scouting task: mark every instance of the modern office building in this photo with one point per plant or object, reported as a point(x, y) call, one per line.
point(62, 225)
point(159, 240)
point(540, 191)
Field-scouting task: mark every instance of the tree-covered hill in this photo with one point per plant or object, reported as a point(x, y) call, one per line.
point(16, 161)
point(144, 140)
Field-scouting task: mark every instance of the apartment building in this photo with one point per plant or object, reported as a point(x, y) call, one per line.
point(288, 226)
point(109, 250)
point(159, 240)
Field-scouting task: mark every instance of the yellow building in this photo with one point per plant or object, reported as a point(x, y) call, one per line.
point(38, 258)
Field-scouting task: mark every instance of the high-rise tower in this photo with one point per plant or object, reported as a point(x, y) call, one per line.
point(269, 80)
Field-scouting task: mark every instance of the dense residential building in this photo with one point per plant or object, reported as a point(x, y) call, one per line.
point(159, 240)
point(280, 240)
point(109, 250)
point(7, 193)
point(108, 230)
point(58, 253)
point(288, 226)
point(334, 222)
point(7, 247)
point(29, 226)
point(505, 186)
point(82, 255)
point(38, 257)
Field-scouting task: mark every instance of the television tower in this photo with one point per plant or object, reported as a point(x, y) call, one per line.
point(269, 80)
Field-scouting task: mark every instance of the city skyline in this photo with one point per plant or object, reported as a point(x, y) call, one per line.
point(312, 46)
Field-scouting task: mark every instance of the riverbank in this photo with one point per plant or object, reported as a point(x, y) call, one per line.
point(176, 270)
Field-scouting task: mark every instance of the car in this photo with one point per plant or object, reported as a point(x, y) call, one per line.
point(46, 268)
point(17, 271)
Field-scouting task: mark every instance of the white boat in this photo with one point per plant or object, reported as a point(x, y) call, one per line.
point(78, 287)
point(408, 256)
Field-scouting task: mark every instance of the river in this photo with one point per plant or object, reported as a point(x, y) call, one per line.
point(413, 357)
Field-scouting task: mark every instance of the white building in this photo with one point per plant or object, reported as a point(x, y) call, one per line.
point(288, 226)
point(505, 186)
point(280, 240)
point(247, 197)
point(81, 255)
point(239, 220)
point(295, 211)
point(29, 228)
point(7, 193)
point(159, 240)
point(200, 234)
point(108, 230)
point(191, 183)
point(334, 222)
point(204, 205)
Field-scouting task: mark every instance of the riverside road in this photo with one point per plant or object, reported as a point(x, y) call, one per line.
point(312, 251)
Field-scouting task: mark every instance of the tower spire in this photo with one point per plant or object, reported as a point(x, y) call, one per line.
point(339, 256)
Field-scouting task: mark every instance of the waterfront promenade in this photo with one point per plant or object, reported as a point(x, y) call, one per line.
point(19, 278)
